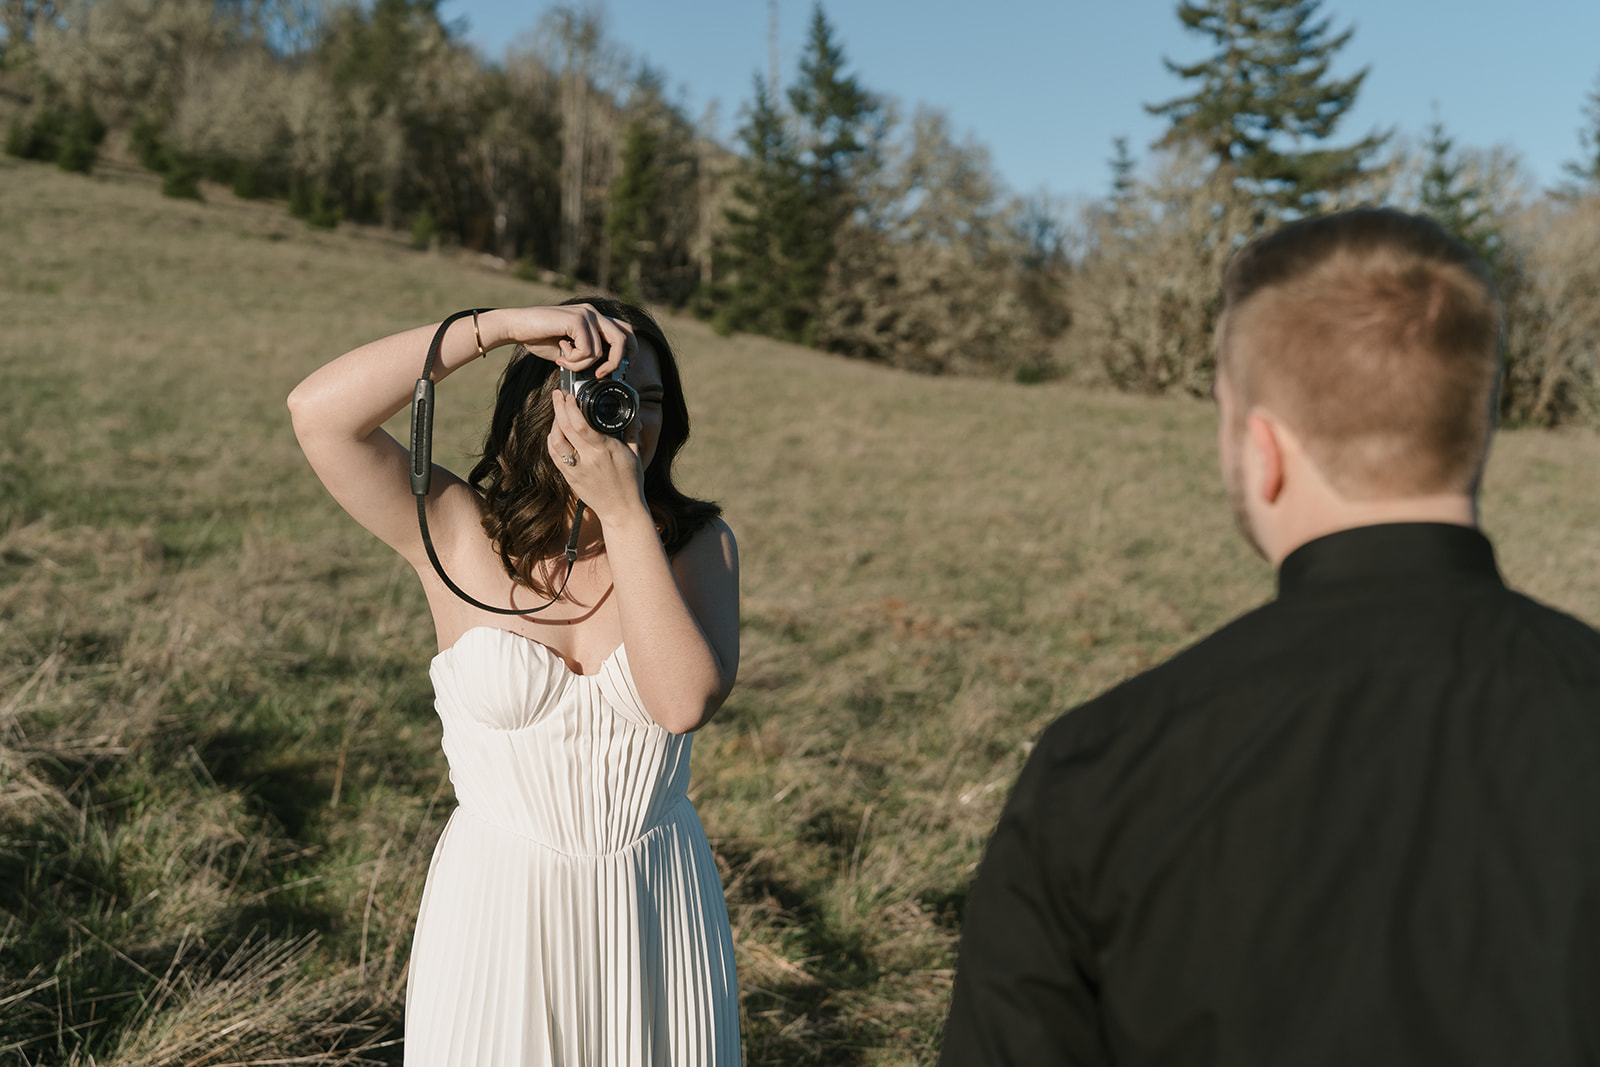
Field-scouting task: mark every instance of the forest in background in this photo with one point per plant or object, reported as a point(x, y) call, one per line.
point(840, 218)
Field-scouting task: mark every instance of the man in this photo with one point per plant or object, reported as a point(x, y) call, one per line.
point(1361, 824)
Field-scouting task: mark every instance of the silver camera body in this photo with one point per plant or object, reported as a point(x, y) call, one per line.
point(608, 404)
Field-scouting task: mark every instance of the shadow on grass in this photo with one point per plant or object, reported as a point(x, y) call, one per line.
point(290, 788)
point(149, 862)
point(804, 1021)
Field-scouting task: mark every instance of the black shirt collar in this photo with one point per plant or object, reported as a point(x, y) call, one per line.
point(1402, 551)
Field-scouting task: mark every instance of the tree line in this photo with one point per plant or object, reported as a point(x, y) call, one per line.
point(838, 218)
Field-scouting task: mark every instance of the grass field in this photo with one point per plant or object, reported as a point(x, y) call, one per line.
point(219, 769)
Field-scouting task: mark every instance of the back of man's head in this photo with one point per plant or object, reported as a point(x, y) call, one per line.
point(1374, 335)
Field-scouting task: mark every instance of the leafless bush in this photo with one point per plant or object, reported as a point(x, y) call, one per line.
point(1553, 316)
point(235, 107)
point(1545, 253)
point(927, 276)
point(123, 55)
point(318, 134)
point(1147, 295)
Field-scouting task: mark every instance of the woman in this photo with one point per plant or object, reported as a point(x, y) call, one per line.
point(573, 913)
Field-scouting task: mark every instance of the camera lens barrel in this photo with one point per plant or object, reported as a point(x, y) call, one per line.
point(608, 405)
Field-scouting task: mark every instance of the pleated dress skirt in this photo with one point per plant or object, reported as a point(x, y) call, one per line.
point(573, 913)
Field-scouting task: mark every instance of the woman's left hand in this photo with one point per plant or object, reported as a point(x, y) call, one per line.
point(603, 472)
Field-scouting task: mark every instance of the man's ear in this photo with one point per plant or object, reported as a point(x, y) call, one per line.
point(1266, 455)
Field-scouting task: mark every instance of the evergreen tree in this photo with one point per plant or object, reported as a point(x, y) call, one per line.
point(81, 135)
point(635, 196)
point(377, 59)
point(1264, 90)
point(1456, 200)
point(1586, 171)
point(795, 190)
point(653, 210)
point(1122, 167)
point(839, 121)
point(766, 228)
point(377, 48)
point(1462, 194)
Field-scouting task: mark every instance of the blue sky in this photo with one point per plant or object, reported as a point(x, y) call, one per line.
point(1046, 86)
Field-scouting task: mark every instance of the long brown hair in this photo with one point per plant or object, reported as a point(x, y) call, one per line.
point(527, 504)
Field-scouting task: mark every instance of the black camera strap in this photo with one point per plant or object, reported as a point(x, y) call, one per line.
point(422, 475)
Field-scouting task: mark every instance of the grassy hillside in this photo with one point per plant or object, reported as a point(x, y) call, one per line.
point(219, 769)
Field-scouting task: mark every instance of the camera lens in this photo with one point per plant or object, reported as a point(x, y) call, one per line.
point(611, 406)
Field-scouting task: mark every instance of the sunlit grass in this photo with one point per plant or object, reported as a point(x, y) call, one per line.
point(219, 769)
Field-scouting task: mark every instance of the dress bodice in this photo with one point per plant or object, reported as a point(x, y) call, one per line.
point(570, 761)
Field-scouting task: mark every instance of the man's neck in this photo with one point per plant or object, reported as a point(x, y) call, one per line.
point(1458, 509)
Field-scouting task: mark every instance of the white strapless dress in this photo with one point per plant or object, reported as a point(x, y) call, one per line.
point(573, 913)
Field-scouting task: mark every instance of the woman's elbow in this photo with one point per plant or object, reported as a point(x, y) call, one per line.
point(688, 716)
point(299, 404)
point(687, 719)
point(311, 413)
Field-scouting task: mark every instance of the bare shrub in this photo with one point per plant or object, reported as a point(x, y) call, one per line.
point(319, 126)
point(232, 107)
point(1553, 316)
point(927, 275)
point(1542, 250)
point(1148, 292)
point(124, 55)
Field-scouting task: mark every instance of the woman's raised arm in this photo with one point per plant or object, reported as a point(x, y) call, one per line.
point(339, 409)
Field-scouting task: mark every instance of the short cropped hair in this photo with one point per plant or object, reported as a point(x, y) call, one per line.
point(1375, 336)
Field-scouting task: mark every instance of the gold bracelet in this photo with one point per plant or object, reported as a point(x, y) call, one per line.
point(478, 337)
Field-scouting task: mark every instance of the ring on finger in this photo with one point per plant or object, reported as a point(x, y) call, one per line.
point(569, 458)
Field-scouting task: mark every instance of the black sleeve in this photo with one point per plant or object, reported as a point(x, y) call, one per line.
point(1024, 990)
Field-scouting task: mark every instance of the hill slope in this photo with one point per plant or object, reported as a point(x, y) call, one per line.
point(219, 767)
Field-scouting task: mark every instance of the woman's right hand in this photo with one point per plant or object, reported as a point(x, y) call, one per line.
point(572, 336)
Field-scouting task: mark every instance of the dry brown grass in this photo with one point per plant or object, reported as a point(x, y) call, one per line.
point(219, 767)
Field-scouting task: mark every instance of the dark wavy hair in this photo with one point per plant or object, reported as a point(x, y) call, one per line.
point(527, 504)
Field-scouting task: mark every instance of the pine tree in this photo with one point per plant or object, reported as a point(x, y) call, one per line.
point(796, 189)
point(1264, 90)
point(653, 205)
point(1462, 195)
point(1122, 167)
point(766, 226)
point(635, 197)
point(1586, 171)
point(1458, 202)
point(838, 119)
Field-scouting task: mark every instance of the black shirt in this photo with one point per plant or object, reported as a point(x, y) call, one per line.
point(1359, 825)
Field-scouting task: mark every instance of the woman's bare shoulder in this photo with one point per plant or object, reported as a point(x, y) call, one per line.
point(710, 559)
point(713, 541)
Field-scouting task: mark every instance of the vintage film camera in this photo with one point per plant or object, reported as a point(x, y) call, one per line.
point(608, 404)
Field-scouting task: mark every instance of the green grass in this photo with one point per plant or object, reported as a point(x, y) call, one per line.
point(219, 769)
